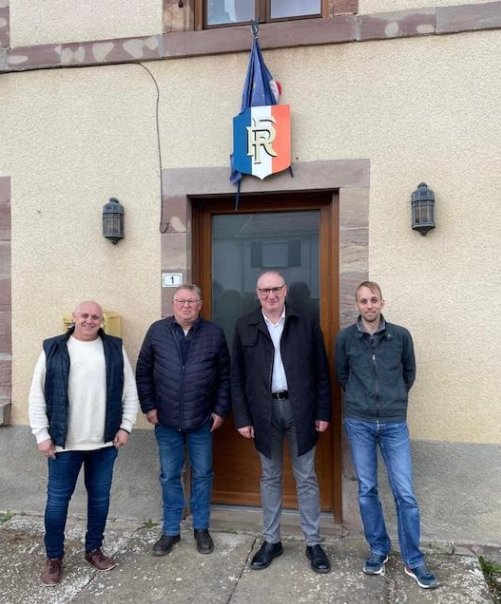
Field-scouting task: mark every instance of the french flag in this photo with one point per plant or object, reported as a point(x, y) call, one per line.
point(261, 140)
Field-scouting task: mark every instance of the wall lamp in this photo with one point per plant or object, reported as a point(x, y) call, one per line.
point(423, 209)
point(113, 220)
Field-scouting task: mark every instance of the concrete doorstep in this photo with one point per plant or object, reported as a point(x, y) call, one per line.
point(224, 577)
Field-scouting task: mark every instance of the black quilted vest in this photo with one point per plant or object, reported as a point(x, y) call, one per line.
point(56, 385)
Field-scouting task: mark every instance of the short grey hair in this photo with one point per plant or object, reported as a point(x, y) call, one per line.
point(279, 275)
point(191, 287)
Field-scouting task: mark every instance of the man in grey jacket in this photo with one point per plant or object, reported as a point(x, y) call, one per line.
point(375, 366)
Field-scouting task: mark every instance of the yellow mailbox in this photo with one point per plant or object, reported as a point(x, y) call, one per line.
point(112, 323)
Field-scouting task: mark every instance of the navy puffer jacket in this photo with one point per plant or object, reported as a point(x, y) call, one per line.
point(184, 395)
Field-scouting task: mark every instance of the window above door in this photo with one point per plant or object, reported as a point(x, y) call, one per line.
point(217, 13)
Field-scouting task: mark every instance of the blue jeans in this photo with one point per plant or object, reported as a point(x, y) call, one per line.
point(394, 443)
point(171, 448)
point(63, 474)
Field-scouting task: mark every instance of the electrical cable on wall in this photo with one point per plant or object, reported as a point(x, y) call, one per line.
point(162, 229)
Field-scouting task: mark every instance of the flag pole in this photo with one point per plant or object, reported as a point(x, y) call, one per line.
point(255, 34)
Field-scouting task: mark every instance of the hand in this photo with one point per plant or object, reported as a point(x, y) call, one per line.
point(46, 448)
point(121, 439)
point(152, 416)
point(247, 431)
point(321, 426)
point(217, 421)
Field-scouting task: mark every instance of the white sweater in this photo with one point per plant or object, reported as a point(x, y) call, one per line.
point(87, 397)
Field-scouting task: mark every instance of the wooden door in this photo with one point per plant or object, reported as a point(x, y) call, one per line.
point(295, 234)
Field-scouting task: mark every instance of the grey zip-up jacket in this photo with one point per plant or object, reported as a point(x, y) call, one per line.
point(375, 371)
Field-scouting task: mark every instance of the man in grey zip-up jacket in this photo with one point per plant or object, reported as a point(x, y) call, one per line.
point(375, 366)
point(376, 371)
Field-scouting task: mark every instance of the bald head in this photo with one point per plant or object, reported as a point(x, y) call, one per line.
point(88, 318)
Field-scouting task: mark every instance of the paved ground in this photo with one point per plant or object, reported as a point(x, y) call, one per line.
point(223, 577)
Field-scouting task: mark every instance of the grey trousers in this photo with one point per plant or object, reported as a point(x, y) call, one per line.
point(303, 468)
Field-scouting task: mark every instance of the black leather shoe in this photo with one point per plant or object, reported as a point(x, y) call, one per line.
point(165, 544)
point(264, 557)
point(318, 558)
point(205, 545)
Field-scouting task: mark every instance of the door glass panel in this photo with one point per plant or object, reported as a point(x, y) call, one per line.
point(245, 245)
point(220, 12)
point(294, 8)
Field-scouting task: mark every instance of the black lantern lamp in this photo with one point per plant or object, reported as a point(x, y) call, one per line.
point(423, 209)
point(113, 220)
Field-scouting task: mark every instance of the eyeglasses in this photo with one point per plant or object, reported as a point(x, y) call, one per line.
point(266, 291)
point(189, 303)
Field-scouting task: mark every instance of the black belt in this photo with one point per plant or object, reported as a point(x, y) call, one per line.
point(280, 396)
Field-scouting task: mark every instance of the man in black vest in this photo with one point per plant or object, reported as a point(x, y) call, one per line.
point(82, 406)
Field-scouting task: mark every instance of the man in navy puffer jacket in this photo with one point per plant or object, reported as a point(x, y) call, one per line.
point(183, 384)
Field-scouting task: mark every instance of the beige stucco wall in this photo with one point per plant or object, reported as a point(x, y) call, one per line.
point(386, 6)
point(418, 109)
point(57, 21)
point(70, 140)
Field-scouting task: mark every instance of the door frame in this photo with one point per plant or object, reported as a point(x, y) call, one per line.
point(349, 177)
point(327, 202)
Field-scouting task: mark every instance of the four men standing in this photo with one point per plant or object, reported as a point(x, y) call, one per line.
point(83, 403)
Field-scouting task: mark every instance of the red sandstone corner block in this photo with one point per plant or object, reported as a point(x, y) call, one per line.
point(175, 215)
point(5, 375)
point(5, 294)
point(344, 7)
point(469, 17)
point(4, 189)
point(4, 221)
point(4, 27)
point(400, 24)
point(5, 332)
point(4, 259)
point(177, 17)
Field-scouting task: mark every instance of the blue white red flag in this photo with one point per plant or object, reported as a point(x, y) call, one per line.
point(261, 131)
point(261, 140)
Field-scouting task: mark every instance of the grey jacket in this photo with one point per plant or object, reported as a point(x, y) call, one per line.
point(376, 372)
